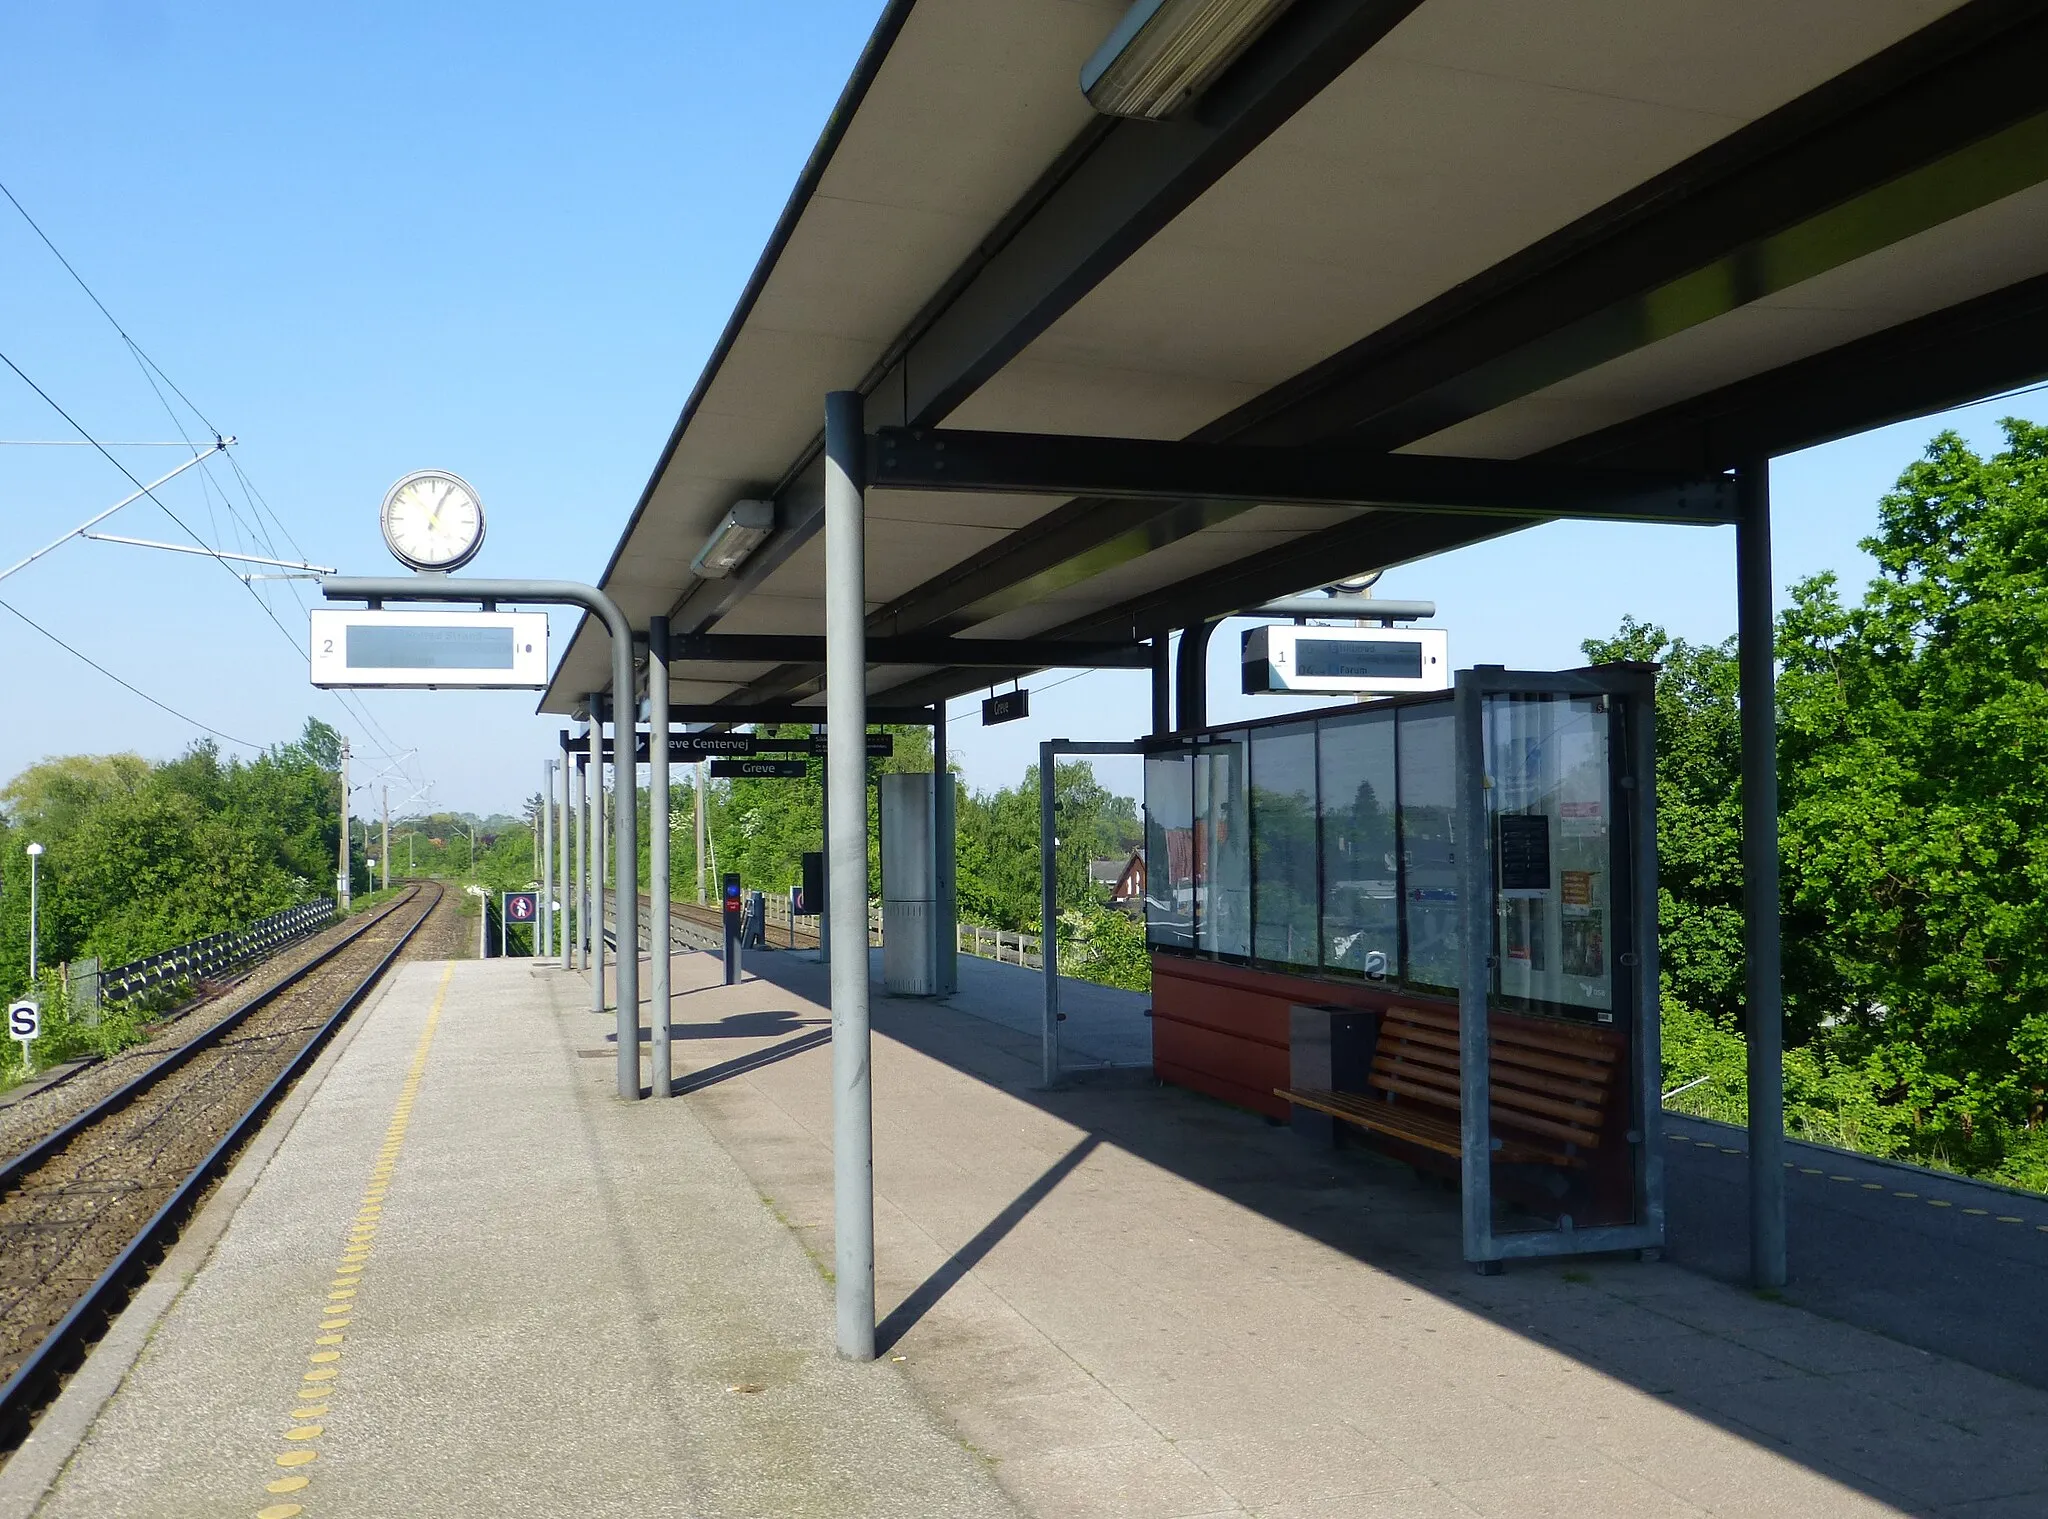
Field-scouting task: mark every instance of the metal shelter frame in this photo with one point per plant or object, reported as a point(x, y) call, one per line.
point(1131, 465)
point(1484, 1245)
point(1049, 750)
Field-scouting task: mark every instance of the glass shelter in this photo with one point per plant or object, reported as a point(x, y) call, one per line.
point(1470, 876)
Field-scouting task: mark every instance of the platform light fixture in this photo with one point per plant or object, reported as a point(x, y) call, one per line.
point(737, 535)
point(1165, 52)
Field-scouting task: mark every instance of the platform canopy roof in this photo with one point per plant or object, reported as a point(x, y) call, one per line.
point(1660, 235)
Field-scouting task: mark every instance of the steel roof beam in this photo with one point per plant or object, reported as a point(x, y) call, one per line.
point(1948, 358)
point(986, 653)
point(957, 460)
point(1099, 206)
point(1114, 188)
point(903, 715)
point(1622, 275)
point(1943, 122)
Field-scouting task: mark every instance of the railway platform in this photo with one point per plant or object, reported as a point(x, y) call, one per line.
point(465, 1279)
point(1113, 1299)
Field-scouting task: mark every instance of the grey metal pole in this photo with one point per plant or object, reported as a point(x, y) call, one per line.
point(659, 928)
point(1191, 677)
point(825, 829)
point(846, 779)
point(545, 928)
point(563, 942)
point(35, 913)
point(384, 849)
point(945, 883)
point(1162, 687)
point(1763, 986)
point(341, 892)
point(597, 857)
point(697, 780)
point(1048, 915)
point(580, 891)
point(551, 592)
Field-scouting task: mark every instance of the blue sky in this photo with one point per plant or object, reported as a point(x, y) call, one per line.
point(502, 240)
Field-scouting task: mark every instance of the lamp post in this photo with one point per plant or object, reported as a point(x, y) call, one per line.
point(35, 854)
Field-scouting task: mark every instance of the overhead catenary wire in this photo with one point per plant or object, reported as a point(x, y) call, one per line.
point(164, 706)
point(145, 490)
point(152, 372)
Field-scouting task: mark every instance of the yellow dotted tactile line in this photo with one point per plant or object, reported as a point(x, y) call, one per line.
point(316, 1394)
point(1868, 1186)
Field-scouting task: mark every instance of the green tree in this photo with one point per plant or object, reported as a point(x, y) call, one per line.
point(1913, 745)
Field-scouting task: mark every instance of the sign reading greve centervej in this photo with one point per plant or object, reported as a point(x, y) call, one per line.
point(688, 748)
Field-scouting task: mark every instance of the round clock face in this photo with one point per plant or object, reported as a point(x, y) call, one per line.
point(432, 520)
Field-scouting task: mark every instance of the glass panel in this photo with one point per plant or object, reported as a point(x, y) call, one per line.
point(1429, 855)
point(1547, 757)
point(1223, 867)
point(1284, 844)
point(1361, 873)
point(1170, 850)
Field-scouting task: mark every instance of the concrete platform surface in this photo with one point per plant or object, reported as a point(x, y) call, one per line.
point(1140, 1302)
point(470, 1280)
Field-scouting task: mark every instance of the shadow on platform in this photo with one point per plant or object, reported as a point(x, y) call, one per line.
point(1876, 1411)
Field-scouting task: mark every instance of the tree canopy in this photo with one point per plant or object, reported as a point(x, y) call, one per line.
point(1913, 752)
point(142, 857)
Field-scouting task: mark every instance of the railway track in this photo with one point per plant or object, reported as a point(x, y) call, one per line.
point(704, 927)
point(87, 1211)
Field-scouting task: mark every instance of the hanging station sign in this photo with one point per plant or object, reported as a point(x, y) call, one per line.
point(760, 769)
point(384, 648)
point(1006, 708)
point(688, 748)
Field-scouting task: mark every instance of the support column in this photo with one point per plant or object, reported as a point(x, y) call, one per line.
point(1162, 686)
point(1048, 913)
point(544, 929)
point(846, 780)
point(341, 883)
point(567, 896)
point(593, 791)
point(579, 888)
point(697, 777)
point(825, 843)
point(660, 929)
point(945, 887)
point(1763, 985)
point(1191, 679)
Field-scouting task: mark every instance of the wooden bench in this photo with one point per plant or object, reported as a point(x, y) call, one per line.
point(1550, 1087)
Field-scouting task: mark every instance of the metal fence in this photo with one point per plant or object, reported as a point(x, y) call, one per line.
point(217, 953)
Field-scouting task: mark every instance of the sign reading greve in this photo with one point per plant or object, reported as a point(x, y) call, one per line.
point(760, 769)
point(1006, 708)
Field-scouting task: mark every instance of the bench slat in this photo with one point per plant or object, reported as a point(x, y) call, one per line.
point(1555, 1041)
point(1580, 1104)
point(1574, 1066)
point(1587, 1138)
point(1420, 1128)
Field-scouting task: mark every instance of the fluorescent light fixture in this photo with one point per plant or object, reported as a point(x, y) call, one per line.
point(737, 535)
point(1165, 52)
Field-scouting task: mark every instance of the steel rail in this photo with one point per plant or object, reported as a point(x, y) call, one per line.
point(12, 1170)
point(29, 1389)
